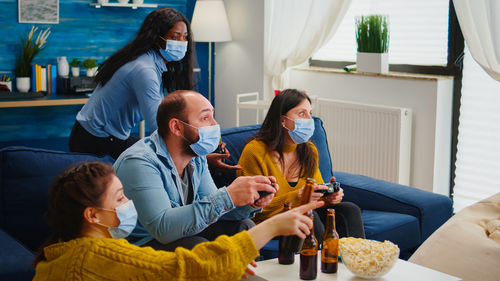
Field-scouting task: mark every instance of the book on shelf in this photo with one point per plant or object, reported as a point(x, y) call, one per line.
point(43, 78)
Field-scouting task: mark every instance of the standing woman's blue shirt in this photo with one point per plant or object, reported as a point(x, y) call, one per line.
point(132, 94)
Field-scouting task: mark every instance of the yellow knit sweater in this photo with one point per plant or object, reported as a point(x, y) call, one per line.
point(116, 259)
point(257, 159)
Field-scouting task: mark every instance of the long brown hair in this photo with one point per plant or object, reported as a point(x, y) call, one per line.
point(271, 131)
point(73, 190)
point(180, 73)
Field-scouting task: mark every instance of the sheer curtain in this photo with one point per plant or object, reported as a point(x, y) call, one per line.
point(480, 24)
point(294, 30)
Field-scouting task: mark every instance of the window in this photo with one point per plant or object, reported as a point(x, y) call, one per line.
point(418, 32)
point(478, 149)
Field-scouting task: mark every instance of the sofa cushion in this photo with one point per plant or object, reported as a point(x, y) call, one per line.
point(25, 178)
point(15, 259)
point(466, 245)
point(404, 229)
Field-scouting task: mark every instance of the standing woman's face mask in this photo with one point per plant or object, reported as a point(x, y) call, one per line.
point(298, 122)
point(117, 214)
point(176, 42)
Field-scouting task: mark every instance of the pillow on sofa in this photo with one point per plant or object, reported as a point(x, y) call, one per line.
point(25, 178)
point(466, 245)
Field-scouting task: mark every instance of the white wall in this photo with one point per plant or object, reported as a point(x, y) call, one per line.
point(239, 64)
point(430, 100)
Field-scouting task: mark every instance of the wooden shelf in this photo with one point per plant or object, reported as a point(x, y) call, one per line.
point(129, 5)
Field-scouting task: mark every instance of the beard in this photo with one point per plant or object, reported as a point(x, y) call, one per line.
point(188, 139)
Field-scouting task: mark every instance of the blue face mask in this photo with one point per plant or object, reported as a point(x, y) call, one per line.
point(174, 50)
point(303, 131)
point(127, 215)
point(209, 138)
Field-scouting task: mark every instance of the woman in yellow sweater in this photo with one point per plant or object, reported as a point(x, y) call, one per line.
point(87, 209)
point(282, 149)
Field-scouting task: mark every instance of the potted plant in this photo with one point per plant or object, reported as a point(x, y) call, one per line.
point(372, 37)
point(30, 48)
point(75, 67)
point(91, 67)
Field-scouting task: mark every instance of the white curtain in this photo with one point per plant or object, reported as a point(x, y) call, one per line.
point(480, 24)
point(294, 30)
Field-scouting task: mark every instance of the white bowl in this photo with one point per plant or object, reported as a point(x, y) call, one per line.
point(368, 258)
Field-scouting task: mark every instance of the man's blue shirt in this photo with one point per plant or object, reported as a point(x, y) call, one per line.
point(150, 179)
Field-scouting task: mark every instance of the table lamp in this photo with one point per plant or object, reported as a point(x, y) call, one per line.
point(210, 24)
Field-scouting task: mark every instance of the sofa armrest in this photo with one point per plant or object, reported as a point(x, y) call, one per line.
point(431, 209)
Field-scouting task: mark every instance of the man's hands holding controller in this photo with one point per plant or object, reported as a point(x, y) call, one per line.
point(257, 191)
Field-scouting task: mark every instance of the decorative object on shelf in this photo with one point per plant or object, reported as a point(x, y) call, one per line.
point(30, 48)
point(36, 11)
point(210, 24)
point(372, 36)
point(123, 1)
point(137, 1)
point(91, 67)
point(102, 1)
point(62, 67)
point(75, 67)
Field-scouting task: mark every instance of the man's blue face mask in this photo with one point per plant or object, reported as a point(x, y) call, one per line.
point(209, 138)
point(174, 50)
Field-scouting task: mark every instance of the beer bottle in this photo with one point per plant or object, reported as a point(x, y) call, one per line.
point(285, 254)
point(309, 256)
point(294, 243)
point(330, 246)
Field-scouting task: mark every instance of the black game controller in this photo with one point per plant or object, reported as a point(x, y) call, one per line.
point(263, 193)
point(332, 187)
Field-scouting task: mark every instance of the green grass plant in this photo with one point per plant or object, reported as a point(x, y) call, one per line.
point(372, 33)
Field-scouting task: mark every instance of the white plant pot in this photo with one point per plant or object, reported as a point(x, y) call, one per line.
point(23, 84)
point(138, 2)
point(91, 72)
point(372, 62)
point(123, 1)
point(75, 71)
point(102, 1)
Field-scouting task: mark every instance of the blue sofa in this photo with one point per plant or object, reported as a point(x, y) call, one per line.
point(401, 214)
point(404, 215)
point(25, 178)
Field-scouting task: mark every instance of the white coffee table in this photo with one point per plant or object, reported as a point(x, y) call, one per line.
point(403, 270)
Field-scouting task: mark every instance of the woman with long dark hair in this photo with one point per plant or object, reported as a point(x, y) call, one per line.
point(131, 84)
point(282, 149)
point(88, 212)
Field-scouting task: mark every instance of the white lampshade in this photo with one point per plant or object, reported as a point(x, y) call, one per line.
point(209, 22)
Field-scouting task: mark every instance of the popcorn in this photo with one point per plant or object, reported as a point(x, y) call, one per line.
point(368, 258)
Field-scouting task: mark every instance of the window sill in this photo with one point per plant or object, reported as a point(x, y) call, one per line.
point(391, 74)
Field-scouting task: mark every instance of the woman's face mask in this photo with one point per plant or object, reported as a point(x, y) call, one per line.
point(303, 129)
point(174, 50)
point(127, 215)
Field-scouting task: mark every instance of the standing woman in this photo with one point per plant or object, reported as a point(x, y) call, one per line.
point(282, 149)
point(131, 82)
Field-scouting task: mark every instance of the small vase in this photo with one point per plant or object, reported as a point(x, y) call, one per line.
point(23, 84)
point(91, 72)
point(75, 71)
point(372, 62)
point(62, 67)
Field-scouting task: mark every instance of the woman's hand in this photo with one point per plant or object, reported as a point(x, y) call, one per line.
point(292, 222)
point(249, 271)
point(316, 195)
point(335, 197)
point(216, 161)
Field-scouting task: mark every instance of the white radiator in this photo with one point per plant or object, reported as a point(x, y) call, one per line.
point(370, 140)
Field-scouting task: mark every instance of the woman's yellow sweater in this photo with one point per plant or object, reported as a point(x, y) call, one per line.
point(257, 159)
point(226, 258)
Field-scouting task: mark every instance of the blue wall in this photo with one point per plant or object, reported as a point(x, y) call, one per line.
point(83, 32)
